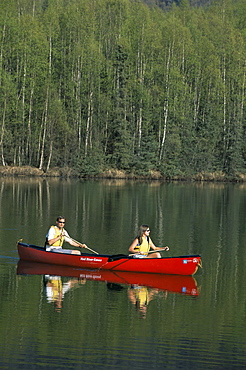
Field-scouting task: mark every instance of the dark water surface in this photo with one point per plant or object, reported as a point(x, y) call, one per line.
point(84, 320)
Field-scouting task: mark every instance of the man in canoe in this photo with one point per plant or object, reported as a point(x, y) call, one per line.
point(143, 243)
point(56, 237)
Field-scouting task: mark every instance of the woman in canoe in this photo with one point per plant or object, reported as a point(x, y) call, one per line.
point(143, 243)
point(57, 235)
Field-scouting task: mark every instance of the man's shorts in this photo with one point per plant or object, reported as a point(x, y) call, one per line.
point(59, 250)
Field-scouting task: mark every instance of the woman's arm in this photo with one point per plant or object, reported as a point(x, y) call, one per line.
point(133, 247)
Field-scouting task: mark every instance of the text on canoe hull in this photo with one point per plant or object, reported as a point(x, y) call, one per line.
point(88, 259)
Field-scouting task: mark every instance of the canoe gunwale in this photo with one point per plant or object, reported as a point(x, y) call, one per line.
point(125, 256)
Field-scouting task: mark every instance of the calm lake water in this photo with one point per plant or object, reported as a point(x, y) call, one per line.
point(86, 321)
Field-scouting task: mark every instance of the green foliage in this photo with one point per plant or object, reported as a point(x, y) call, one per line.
point(92, 164)
point(89, 84)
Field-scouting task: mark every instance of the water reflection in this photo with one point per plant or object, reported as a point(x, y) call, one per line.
point(140, 296)
point(55, 288)
point(97, 325)
point(142, 288)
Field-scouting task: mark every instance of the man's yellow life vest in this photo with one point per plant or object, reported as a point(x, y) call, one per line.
point(56, 286)
point(59, 242)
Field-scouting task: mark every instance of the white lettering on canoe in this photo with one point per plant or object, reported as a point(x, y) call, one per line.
point(88, 259)
point(89, 276)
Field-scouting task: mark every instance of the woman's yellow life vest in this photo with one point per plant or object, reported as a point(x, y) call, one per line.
point(59, 242)
point(143, 247)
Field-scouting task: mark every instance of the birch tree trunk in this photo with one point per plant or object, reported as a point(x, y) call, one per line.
point(140, 120)
point(1, 52)
point(45, 119)
point(2, 132)
point(29, 130)
point(44, 130)
point(88, 124)
point(243, 94)
point(50, 156)
point(78, 100)
point(224, 114)
point(166, 104)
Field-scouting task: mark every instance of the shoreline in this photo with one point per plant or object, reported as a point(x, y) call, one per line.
point(28, 171)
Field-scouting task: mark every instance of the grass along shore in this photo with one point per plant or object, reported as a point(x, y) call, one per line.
point(66, 172)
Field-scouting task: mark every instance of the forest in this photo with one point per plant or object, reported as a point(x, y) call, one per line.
point(167, 4)
point(120, 85)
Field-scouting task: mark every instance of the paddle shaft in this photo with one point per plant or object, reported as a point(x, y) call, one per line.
point(82, 245)
point(153, 251)
point(117, 257)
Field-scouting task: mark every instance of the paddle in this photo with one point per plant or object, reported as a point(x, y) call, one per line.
point(155, 250)
point(117, 257)
point(83, 245)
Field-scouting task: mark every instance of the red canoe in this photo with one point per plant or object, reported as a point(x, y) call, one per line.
point(186, 285)
point(183, 265)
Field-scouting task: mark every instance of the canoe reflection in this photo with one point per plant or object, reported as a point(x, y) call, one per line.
point(186, 285)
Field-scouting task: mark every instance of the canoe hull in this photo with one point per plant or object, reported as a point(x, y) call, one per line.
point(182, 265)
